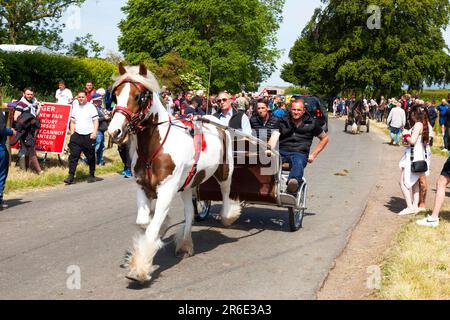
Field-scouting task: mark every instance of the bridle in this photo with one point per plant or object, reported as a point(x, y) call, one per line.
point(136, 121)
point(144, 99)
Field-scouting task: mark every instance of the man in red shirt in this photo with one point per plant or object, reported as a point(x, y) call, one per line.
point(90, 91)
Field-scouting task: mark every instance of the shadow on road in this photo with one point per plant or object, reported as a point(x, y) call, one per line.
point(395, 204)
point(204, 241)
point(253, 218)
point(15, 202)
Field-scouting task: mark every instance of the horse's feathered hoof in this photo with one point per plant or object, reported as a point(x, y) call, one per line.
point(141, 280)
point(185, 249)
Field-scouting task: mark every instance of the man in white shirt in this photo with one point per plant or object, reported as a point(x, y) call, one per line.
point(63, 95)
point(396, 122)
point(83, 130)
point(236, 119)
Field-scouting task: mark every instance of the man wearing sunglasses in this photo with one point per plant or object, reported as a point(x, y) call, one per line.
point(228, 116)
point(298, 129)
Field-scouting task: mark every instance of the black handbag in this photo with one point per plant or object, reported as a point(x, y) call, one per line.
point(420, 166)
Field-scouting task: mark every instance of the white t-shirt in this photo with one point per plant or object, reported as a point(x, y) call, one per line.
point(63, 96)
point(84, 117)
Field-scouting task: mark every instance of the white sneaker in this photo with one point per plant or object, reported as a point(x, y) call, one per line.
point(428, 222)
point(407, 211)
point(421, 210)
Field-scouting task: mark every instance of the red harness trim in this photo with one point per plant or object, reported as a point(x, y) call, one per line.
point(199, 147)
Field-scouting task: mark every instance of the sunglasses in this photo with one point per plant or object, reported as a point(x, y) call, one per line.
point(222, 100)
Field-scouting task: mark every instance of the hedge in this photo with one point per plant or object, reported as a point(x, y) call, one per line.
point(42, 72)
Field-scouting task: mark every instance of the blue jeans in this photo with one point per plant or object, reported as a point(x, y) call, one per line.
point(4, 166)
point(298, 162)
point(395, 134)
point(99, 147)
point(446, 137)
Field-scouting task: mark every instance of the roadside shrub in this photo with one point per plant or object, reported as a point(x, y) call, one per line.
point(42, 72)
point(297, 90)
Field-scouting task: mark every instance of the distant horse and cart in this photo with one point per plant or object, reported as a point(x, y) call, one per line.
point(357, 117)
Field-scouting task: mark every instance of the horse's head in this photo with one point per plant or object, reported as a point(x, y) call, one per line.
point(133, 95)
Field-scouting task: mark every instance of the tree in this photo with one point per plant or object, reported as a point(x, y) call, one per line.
point(114, 57)
point(33, 22)
point(235, 38)
point(85, 46)
point(339, 50)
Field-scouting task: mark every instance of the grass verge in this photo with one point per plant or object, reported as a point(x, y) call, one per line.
point(417, 266)
point(55, 173)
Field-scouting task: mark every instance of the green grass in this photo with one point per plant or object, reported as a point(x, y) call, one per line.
point(429, 95)
point(417, 265)
point(54, 173)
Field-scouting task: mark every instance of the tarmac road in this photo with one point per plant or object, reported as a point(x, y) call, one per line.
point(47, 235)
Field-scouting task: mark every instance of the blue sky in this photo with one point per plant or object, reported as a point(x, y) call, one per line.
point(101, 18)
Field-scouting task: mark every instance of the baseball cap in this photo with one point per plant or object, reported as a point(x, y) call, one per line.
point(96, 97)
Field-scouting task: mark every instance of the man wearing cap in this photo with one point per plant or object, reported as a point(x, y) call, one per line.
point(83, 130)
point(298, 129)
point(396, 122)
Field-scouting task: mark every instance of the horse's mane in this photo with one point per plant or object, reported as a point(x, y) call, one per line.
point(148, 82)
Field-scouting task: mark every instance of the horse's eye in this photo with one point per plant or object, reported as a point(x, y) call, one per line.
point(137, 97)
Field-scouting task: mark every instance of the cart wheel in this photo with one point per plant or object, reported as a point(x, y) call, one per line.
point(201, 209)
point(296, 214)
point(368, 126)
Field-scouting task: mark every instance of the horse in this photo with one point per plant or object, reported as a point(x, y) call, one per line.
point(356, 115)
point(166, 163)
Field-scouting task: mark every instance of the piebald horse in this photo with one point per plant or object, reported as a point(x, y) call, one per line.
point(164, 157)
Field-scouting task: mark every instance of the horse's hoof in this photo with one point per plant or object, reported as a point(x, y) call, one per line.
point(228, 222)
point(139, 279)
point(183, 254)
point(142, 226)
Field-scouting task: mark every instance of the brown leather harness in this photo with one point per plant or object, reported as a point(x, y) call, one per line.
point(135, 124)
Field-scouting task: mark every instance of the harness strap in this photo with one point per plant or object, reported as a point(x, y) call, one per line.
point(198, 147)
point(148, 164)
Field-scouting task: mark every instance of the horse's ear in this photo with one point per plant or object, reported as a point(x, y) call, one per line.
point(122, 70)
point(142, 69)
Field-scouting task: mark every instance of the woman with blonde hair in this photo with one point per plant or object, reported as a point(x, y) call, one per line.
point(418, 140)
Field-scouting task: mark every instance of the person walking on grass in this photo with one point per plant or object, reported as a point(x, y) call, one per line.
point(396, 122)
